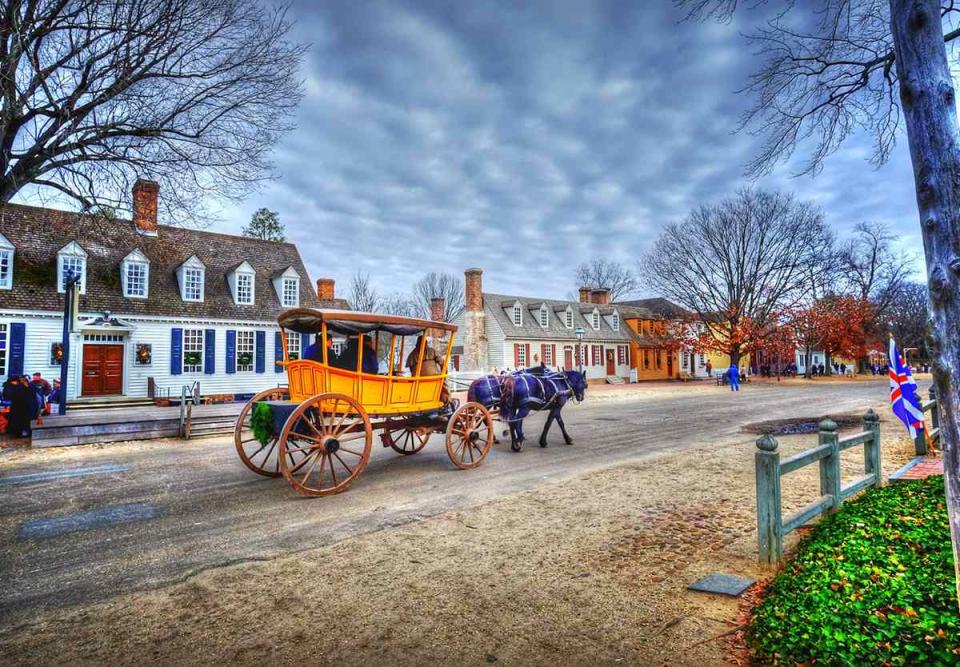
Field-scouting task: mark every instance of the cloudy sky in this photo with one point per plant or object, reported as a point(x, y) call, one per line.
point(524, 138)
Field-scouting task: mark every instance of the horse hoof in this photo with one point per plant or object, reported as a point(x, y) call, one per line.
point(568, 441)
point(516, 446)
point(543, 443)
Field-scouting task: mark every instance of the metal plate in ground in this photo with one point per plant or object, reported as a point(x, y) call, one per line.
point(722, 584)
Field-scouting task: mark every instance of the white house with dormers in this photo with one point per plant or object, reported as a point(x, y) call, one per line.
point(504, 332)
point(160, 306)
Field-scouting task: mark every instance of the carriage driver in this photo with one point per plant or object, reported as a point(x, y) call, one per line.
point(432, 363)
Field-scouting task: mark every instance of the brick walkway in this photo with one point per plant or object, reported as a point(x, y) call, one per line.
point(920, 468)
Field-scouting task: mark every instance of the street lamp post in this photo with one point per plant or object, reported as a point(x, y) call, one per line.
point(578, 332)
point(70, 282)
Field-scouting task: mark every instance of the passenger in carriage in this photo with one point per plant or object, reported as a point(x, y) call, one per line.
point(432, 363)
point(314, 351)
point(369, 363)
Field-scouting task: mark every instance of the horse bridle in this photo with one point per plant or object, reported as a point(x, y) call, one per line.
point(573, 393)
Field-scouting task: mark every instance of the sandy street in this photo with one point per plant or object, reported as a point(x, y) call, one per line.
point(572, 555)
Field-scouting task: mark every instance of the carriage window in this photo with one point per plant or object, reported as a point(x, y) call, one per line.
point(544, 317)
point(293, 345)
point(192, 350)
point(245, 349)
point(517, 314)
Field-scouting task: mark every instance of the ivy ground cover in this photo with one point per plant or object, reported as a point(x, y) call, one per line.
point(872, 584)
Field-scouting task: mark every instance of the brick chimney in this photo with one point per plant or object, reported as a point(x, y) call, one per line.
point(145, 206)
point(326, 289)
point(600, 296)
point(584, 295)
point(437, 309)
point(473, 332)
point(473, 283)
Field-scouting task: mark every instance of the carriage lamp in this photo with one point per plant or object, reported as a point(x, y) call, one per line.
point(578, 332)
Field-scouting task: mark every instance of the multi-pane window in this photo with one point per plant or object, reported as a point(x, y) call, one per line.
point(192, 350)
point(245, 349)
point(291, 292)
point(192, 284)
point(569, 318)
point(72, 265)
point(521, 356)
point(544, 317)
point(596, 320)
point(517, 314)
point(244, 288)
point(598, 355)
point(3, 350)
point(703, 360)
point(293, 345)
point(135, 279)
point(546, 354)
point(621, 354)
point(6, 269)
point(615, 321)
point(659, 358)
point(646, 359)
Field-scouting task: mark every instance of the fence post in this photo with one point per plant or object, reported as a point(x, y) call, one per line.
point(769, 521)
point(871, 452)
point(830, 464)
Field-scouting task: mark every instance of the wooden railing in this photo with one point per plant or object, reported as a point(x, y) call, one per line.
point(771, 526)
point(931, 406)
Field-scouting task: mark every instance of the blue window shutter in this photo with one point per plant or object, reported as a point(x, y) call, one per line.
point(176, 351)
point(209, 351)
point(231, 351)
point(18, 336)
point(260, 353)
point(304, 344)
point(277, 351)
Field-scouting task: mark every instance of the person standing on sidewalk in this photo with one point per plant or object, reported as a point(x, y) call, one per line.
point(734, 374)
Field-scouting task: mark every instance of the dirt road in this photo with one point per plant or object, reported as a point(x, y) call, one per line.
point(130, 517)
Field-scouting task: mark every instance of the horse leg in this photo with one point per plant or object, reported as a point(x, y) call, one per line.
point(563, 429)
point(546, 427)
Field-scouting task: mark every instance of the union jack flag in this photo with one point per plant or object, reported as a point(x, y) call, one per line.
point(903, 392)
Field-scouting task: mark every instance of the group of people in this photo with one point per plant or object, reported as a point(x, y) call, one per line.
point(25, 400)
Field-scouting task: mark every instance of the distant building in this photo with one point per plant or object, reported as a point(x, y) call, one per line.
point(160, 306)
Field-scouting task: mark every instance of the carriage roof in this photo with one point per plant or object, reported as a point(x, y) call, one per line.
point(351, 322)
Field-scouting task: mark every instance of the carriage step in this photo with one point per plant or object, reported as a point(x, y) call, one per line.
point(614, 379)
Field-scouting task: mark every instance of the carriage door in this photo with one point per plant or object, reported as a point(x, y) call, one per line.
point(568, 358)
point(611, 362)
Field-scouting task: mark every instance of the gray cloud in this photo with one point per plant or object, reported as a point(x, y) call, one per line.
point(524, 138)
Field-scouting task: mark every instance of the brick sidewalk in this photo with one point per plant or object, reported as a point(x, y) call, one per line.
point(919, 468)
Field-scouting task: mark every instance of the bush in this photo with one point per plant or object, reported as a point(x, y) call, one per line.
point(872, 584)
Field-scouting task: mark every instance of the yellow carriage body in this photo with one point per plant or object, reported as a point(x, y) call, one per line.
point(388, 394)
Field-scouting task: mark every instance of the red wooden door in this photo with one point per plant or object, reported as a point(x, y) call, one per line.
point(611, 363)
point(568, 358)
point(102, 370)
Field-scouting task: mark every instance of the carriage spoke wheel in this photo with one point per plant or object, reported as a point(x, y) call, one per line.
point(409, 440)
point(260, 457)
point(469, 435)
point(325, 444)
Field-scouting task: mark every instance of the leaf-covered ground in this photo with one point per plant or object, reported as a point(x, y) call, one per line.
point(873, 584)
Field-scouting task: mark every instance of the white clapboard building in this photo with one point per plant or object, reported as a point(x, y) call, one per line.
point(160, 306)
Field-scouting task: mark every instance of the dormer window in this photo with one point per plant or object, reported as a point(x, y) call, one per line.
point(135, 275)
point(72, 259)
point(287, 287)
point(544, 316)
point(615, 321)
point(517, 314)
point(6, 265)
point(568, 317)
point(595, 319)
point(191, 276)
point(241, 284)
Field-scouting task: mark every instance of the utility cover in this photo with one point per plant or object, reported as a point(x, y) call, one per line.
point(723, 584)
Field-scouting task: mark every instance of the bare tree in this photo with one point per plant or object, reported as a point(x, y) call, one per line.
point(95, 93)
point(752, 263)
point(444, 285)
point(906, 318)
point(363, 296)
point(399, 303)
point(871, 269)
point(602, 273)
point(867, 65)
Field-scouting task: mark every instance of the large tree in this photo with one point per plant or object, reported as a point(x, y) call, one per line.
point(906, 318)
point(265, 224)
point(604, 273)
point(876, 66)
point(752, 262)
point(96, 93)
point(871, 269)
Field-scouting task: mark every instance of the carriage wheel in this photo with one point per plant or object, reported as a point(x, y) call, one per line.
point(325, 444)
point(260, 458)
point(408, 441)
point(469, 435)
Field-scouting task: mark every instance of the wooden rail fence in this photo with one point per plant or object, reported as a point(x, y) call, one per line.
point(931, 406)
point(771, 526)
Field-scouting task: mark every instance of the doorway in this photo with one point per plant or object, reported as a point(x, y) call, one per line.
point(611, 363)
point(568, 358)
point(102, 370)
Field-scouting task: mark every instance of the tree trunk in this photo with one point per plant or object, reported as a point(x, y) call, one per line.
point(927, 97)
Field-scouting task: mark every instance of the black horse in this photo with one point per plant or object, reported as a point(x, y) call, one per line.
point(524, 392)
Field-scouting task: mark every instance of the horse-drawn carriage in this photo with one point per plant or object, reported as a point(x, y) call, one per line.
point(318, 432)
